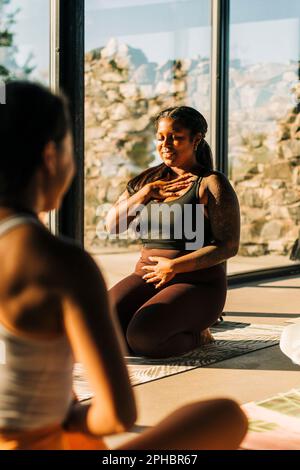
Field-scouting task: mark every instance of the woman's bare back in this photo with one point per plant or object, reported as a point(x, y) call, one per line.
point(36, 268)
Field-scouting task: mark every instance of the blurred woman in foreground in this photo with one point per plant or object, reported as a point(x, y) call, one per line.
point(54, 308)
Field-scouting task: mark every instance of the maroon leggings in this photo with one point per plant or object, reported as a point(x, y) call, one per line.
point(168, 321)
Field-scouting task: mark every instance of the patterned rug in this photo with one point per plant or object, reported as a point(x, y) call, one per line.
point(231, 339)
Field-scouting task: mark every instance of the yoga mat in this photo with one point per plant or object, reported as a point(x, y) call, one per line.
point(231, 339)
point(274, 423)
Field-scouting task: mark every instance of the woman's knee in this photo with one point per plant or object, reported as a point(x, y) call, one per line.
point(213, 424)
point(143, 334)
point(229, 413)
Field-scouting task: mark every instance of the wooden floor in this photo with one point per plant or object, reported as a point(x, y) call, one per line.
point(253, 376)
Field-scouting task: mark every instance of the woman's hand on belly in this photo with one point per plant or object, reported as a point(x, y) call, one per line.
point(161, 272)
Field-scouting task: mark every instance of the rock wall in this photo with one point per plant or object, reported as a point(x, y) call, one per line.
point(264, 153)
point(124, 91)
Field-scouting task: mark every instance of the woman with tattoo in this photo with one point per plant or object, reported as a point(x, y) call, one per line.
point(178, 289)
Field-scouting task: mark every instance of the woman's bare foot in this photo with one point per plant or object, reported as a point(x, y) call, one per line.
point(206, 337)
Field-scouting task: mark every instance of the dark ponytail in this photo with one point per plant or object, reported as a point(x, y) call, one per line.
point(191, 119)
point(31, 117)
point(204, 156)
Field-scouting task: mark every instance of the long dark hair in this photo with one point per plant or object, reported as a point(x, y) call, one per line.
point(31, 117)
point(188, 118)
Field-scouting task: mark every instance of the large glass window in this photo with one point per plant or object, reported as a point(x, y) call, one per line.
point(264, 125)
point(24, 40)
point(141, 56)
point(24, 43)
point(144, 55)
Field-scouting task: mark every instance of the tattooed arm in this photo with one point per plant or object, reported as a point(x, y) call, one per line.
point(224, 216)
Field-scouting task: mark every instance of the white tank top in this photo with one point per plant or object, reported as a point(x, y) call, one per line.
point(35, 375)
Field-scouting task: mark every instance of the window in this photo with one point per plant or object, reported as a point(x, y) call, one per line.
point(24, 40)
point(141, 57)
point(264, 139)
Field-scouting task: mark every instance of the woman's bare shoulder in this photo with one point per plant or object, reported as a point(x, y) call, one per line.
point(58, 260)
point(213, 175)
point(215, 181)
point(73, 261)
point(216, 188)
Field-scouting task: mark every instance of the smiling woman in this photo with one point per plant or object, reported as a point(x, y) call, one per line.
point(174, 144)
point(178, 289)
point(180, 133)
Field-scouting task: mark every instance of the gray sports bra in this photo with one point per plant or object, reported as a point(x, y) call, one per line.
point(178, 224)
